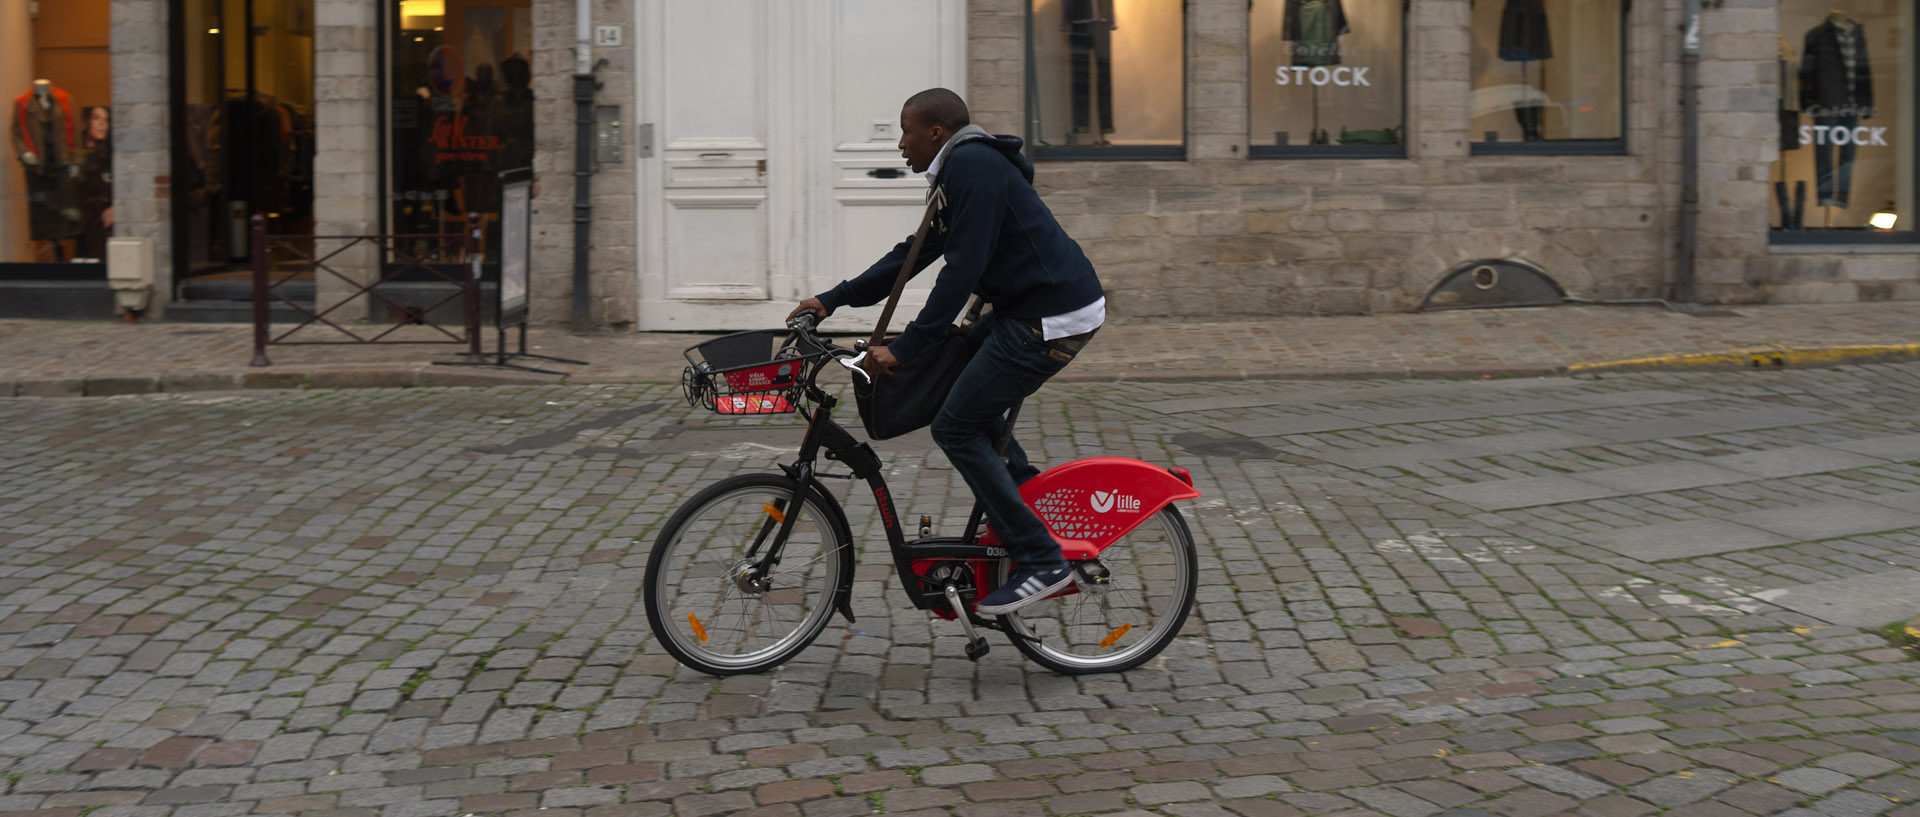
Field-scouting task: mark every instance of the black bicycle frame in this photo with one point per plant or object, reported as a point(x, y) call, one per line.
point(825, 435)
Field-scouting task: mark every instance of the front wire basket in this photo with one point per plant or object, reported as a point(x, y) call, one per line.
point(749, 372)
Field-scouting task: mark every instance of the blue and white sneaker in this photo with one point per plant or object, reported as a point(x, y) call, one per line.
point(1022, 588)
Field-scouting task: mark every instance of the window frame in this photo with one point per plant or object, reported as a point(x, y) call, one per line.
point(1399, 151)
point(1905, 239)
point(1575, 147)
point(1088, 153)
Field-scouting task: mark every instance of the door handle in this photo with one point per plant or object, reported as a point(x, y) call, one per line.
point(885, 173)
point(717, 155)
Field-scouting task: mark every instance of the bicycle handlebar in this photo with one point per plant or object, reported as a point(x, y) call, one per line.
point(802, 326)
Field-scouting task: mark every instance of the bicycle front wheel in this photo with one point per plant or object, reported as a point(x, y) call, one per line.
point(709, 605)
point(1124, 607)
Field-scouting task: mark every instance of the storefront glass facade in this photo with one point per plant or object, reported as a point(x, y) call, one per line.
point(1548, 76)
point(460, 92)
point(1106, 79)
point(1846, 170)
point(244, 136)
point(56, 192)
point(1327, 78)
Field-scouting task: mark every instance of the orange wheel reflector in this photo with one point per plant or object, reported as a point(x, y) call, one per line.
point(702, 631)
point(775, 513)
point(1104, 642)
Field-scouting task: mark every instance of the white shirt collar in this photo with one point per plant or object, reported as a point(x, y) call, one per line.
point(933, 168)
point(967, 133)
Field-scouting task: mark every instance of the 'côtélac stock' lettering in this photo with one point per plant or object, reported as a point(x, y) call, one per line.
point(1321, 75)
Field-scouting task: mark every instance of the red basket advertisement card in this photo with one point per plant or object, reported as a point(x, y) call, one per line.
point(776, 375)
point(751, 404)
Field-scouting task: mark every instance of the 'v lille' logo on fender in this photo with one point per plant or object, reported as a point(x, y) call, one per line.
point(1103, 501)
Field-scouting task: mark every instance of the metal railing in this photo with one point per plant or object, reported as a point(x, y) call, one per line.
point(267, 282)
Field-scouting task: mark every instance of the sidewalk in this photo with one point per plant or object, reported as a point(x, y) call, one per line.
point(63, 358)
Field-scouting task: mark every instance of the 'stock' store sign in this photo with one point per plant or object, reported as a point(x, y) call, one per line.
point(1840, 135)
point(1343, 76)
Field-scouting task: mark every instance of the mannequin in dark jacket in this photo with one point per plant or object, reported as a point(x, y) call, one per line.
point(1002, 243)
point(1836, 89)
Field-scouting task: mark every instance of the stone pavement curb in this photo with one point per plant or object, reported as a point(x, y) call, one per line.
point(315, 378)
point(1771, 356)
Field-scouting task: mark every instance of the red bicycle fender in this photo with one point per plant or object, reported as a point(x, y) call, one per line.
point(1090, 503)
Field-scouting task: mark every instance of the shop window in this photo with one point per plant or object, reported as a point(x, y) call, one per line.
point(460, 86)
point(1846, 171)
point(1328, 78)
point(56, 192)
point(1547, 76)
point(1106, 79)
point(243, 128)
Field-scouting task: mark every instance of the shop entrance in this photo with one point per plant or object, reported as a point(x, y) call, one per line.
point(243, 136)
point(774, 170)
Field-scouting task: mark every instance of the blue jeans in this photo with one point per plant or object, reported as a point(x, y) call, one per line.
point(1010, 361)
point(1835, 179)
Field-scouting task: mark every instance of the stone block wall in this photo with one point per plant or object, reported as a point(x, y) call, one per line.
point(1223, 235)
point(346, 166)
point(1739, 139)
point(142, 156)
point(613, 256)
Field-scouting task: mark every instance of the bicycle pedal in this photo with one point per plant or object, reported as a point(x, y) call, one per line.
point(976, 643)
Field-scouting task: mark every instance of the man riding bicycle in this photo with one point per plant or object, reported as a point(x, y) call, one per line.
point(1002, 243)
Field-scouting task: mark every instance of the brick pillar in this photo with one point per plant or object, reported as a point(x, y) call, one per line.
point(1439, 78)
point(1216, 90)
point(1738, 141)
point(996, 65)
point(613, 255)
point(142, 172)
point(346, 167)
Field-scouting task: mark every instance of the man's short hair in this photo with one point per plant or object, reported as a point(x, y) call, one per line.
point(939, 106)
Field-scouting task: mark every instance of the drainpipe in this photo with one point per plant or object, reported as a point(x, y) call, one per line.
point(582, 161)
point(1690, 153)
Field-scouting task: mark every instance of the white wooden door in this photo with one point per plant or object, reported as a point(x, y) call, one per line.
point(776, 172)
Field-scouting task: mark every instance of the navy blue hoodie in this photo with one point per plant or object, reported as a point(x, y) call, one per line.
point(1000, 241)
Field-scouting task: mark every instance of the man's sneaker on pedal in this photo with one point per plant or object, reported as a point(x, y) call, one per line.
point(1024, 587)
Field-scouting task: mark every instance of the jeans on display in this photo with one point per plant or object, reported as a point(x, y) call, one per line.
point(1792, 213)
point(1010, 362)
point(1834, 179)
point(1092, 48)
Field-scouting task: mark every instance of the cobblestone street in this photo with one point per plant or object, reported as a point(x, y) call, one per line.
point(1648, 593)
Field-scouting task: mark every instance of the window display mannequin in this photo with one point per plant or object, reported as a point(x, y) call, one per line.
point(1836, 89)
point(43, 140)
point(1089, 25)
point(1524, 39)
point(1314, 27)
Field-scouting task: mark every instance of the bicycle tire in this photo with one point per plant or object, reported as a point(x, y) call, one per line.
point(1154, 575)
point(700, 609)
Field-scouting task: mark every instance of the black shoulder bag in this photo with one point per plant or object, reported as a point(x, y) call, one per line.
point(907, 400)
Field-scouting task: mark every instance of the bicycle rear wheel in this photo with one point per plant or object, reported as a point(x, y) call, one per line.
point(1124, 607)
point(703, 601)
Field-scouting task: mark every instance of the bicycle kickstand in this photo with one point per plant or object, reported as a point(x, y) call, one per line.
point(976, 643)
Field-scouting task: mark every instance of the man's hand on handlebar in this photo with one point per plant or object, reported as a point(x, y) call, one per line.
point(813, 305)
point(880, 361)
